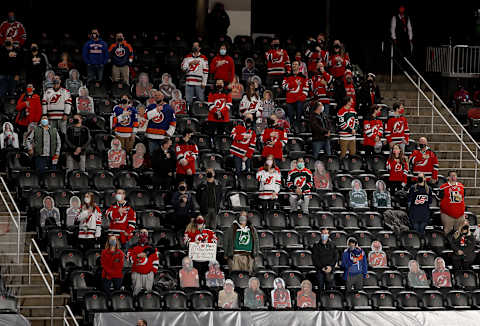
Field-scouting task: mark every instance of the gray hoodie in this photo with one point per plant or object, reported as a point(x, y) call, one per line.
point(46, 213)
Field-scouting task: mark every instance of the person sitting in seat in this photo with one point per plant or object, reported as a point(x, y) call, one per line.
point(377, 258)
point(138, 159)
point(306, 298)
point(441, 277)
point(416, 276)
point(358, 196)
point(254, 297)
point(73, 211)
point(228, 298)
point(381, 197)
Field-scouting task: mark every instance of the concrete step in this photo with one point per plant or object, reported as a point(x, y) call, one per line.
point(57, 321)
point(462, 173)
point(416, 129)
point(438, 147)
point(41, 311)
point(472, 200)
point(36, 288)
point(22, 278)
point(11, 257)
point(42, 299)
point(21, 268)
point(435, 136)
point(402, 94)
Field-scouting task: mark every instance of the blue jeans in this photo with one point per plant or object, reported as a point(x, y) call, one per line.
point(95, 73)
point(107, 285)
point(238, 165)
point(194, 91)
point(323, 278)
point(318, 145)
point(294, 111)
point(7, 84)
point(419, 226)
point(153, 145)
point(44, 163)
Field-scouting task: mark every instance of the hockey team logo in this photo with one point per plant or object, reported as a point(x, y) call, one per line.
point(338, 61)
point(158, 118)
point(120, 52)
point(193, 65)
point(398, 167)
point(188, 155)
point(351, 123)
point(300, 182)
point(125, 119)
point(443, 280)
point(12, 31)
point(246, 137)
point(54, 98)
point(421, 199)
point(277, 59)
point(244, 238)
point(219, 104)
point(269, 180)
point(398, 127)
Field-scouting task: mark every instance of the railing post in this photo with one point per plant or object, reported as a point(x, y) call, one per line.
point(30, 264)
point(391, 63)
point(461, 148)
point(433, 105)
point(418, 97)
point(476, 167)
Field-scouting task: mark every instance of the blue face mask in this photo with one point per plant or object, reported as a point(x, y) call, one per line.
point(44, 122)
point(112, 242)
point(223, 52)
point(324, 237)
point(300, 165)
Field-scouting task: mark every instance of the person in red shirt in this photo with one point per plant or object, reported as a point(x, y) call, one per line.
point(273, 139)
point(29, 107)
point(112, 264)
point(319, 84)
point(297, 90)
point(397, 131)
point(219, 106)
point(316, 53)
point(14, 29)
point(222, 66)
point(372, 132)
point(338, 61)
point(452, 205)
point(278, 63)
point(350, 87)
point(424, 160)
point(397, 167)
point(122, 217)
point(187, 153)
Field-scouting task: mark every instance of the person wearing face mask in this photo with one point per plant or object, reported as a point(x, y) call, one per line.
point(338, 60)
point(125, 122)
point(296, 87)
point(423, 160)
point(121, 56)
point(196, 231)
point(209, 197)
point(274, 139)
point(44, 144)
point(11, 66)
point(316, 53)
point(195, 66)
point(219, 107)
point(397, 167)
point(321, 128)
point(452, 205)
point(302, 66)
point(325, 258)
point(222, 66)
point(112, 260)
point(122, 218)
point(183, 204)
point(278, 63)
point(270, 180)
point(90, 222)
point(29, 108)
point(397, 131)
point(14, 29)
point(355, 265)
point(57, 105)
point(241, 245)
point(319, 84)
point(145, 262)
point(372, 132)
point(95, 55)
point(349, 87)
point(251, 102)
point(8, 138)
point(419, 200)
point(244, 140)
point(187, 153)
point(36, 64)
point(77, 139)
point(300, 183)
point(369, 93)
point(348, 125)
point(463, 246)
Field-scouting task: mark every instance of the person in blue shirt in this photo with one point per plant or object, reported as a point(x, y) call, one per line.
point(355, 266)
point(95, 55)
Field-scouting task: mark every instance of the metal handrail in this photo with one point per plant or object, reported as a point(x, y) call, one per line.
point(50, 287)
point(70, 313)
point(15, 222)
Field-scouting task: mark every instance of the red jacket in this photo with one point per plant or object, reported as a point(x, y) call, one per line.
point(112, 263)
point(296, 87)
point(219, 102)
point(143, 265)
point(372, 129)
point(278, 62)
point(273, 144)
point(205, 235)
point(318, 87)
point(397, 130)
point(314, 57)
point(122, 225)
point(243, 141)
point(398, 171)
point(223, 67)
point(33, 113)
point(337, 64)
point(426, 163)
point(450, 204)
point(189, 151)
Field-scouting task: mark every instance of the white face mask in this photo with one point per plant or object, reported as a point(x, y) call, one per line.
point(119, 197)
point(269, 162)
point(87, 200)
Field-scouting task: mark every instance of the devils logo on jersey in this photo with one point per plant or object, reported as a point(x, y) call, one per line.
point(246, 137)
point(398, 167)
point(54, 98)
point(193, 65)
point(398, 127)
point(300, 182)
point(277, 58)
point(351, 123)
point(421, 199)
point(12, 31)
point(219, 104)
point(269, 180)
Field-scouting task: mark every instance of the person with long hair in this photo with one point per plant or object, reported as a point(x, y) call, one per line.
point(339, 61)
point(112, 264)
point(269, 179)
point(397, 167)
point(321, 177)
point(250, 102)
point(463, 245)
point(90, 222)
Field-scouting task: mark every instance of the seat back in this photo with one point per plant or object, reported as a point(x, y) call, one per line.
point(95, 302)
point(122, 301)
point(202, 300)
point(432, 299)
point(149, 301)
point(332, 300)
point(383, 299)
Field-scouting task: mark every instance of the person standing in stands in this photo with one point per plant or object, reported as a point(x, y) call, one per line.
point(355, 266)
point(77, 139)
point(36, 63)
point(162, 122)
point(319, 84)
point(463, 245)
point(222, 66)
point(209, 197)
point(397, 131)
point(241, 245)
point(278, 63)
point(219, 106)
point(112, 259)
point(121, 54)
point(316, 53)
point(401, 32)
point(90, 223)
point(397, 167)
point(321, 130)
point(424, 161)
point(187, 153)
point(372, 132)
point(183, 204)
point(270, 180)
point(57, 105)
point(14, 29)
point(11, 66)
point(300, 183)
point(122, 217)
point(296, 87)
point(419, 200)
point(338, 60)
point(29, 107)
point(95, 55)
point(145, 263)
point(349, 87)
point(369, 93)
point(452, 205)
point(325, 258)
point(44, 144)
point(244, 141)
point(274, 138)
point(348, 124)
point(125, 122)
point(195, 66)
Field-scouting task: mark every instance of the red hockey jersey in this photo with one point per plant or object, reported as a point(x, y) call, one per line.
point(337, 64)
point(278, 62)
point(188, 151)
point(273, 141)
point(397, 130)
point(15, 30)
point(243, 141)
point(296, 87)
point(397, 170)
point(441, 278)
point(219, 105)
point(314, 57)
point(453, 201)
point(426, 163)
point(223, 67)
point(318, 85)
point(140, 264)
point(205, 236)
point(122, 225)
point(372, 129)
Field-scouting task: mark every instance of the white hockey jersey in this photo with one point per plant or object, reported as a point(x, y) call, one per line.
point(196, 69)
point(269, 183)
point(56, 103)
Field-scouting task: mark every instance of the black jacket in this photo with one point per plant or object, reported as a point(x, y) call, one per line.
point(77, 137)
point(202, 196)
point(467, 248)
point(162, 164)
point(11, 65)
point(324, 255)
point(320, 126)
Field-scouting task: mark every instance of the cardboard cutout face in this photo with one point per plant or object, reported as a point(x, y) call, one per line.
point(280, 295)
point(228, 298)
point(306, 298)
point(441, 276)
point(214, 277)
point(254, 297)
point(188, 274)
point(377, 257)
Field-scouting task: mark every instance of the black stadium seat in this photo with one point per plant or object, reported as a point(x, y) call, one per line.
point(175, 300)
point(95, 302)
point(240, 279)
point(122, 301)
point(149, 301)
point(408, 300)
point(358, 301)
point(383, 300)
point(202, 300)
point(53, 180)
point(433, 300)
point(332, 300)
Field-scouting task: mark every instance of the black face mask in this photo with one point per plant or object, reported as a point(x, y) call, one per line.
point(119, 40)
point(123, 101)
point(248, 121)
point(34, 49)
point(8, 43)
point(219, 87)
point(420, 180)
point(75, 121)
point(209, 175)
point(276, 46)
point(422, 146)
point(270, 123)
point(195, 49)
point(182, 188)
